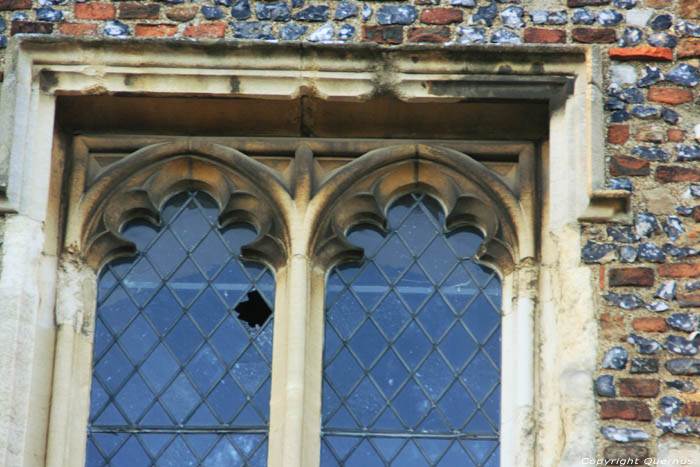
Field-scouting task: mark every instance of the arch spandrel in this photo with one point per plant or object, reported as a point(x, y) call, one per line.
point(471, 194)
point(138, 186)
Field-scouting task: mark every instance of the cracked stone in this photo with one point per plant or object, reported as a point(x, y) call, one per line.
point(629, 301)
point(673, 250)
point(615, 359)
point(396, 14)
point(48, 14)
point(686, 28)
point(623, 435)
point(684, 322)
point(666, 291)
point(684, 74)
point(557, 17)
point(680, 345)
point(644, 346)
point(604, 386)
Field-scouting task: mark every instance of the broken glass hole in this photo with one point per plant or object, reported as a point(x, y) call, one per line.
point(255, 310)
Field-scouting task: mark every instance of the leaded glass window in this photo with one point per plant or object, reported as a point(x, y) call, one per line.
point(181, 376)
point(412, 347)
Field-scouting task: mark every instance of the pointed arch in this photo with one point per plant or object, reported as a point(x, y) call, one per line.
point(470, 194)
point(139, 184)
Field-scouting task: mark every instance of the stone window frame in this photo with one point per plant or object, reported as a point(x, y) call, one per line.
point(548, 296)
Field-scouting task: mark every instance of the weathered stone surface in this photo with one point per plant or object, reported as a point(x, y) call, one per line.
point(314, 13)
point(273, 11)
point(628, 301)
point(689, 9)
point(545, 36)
point(624, 410)
point(184, 13)
point(680, 345)
point(345, 10)
point(617, 134)
point(644, 346)
point(593, 251)
point(583, 16)
point(423, 34)
point(684, 321)
point(132, 10)
point(640, 277)
point(666, 291)
point(604, 386)
point(671, 174)
point(646, 224)
point(684, 366)
point(615, 358)
point(651, 75)
point(396, 14)
point(15, 4)
point(688, 48)
point(382, 34)
point(641, 365)
point(593, 35)
point(684, 74)
point(651, 153)
point(623, 435)
point(682, 385)
point(609, 17)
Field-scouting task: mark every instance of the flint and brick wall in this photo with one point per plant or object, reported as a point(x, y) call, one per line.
point(648, 273)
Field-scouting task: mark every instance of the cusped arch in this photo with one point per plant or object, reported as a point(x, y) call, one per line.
point(470, 193)
point(138, 185)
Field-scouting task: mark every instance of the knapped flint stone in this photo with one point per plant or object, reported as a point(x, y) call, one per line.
point(539, 16)
point(615, 104)
point(627, 301)
point(651, 252)
point(212, 12)
point(583, 16)
point(512, 17)
point(596, 251)
point(682, 385)
point(642, 365)
point(673, 227)
point(661, 22)
point(604, 386)
point(396, 14)
point(666, 291)
point(313, 13)
point(632, 96)
point(241, 9)
point(345, 10)
point(684, 74)
point(226, 3)
point(557, 17)
point(504, 36)
point(252, 30)
point(465, 3)
point(657, 307)
point(485, 14)
point(297, 3)
point(292, 31)
point(366, 12)
point(692, 285)
point(651, 75)
point(273, 11)
point(626, 4)
point(686, 28)
point(684, 366)
point(645, 112)
point(676, 252)
point(3, 25)
point(346, 31)
point(615, 359)
point(680, 345)
point(666, 423)
point(646, 224)
point(628, 254)
point(3, 42)
point(580, 3)
point(619, 116)
point(694, 192)
point(650, 153)
point(623, 435)
point(115, 29)
point(322, 34)
point(630, 36)
point(669, 405)
point(684, 427)
point(662, 39)
point(687, 152)
point(609, 17)
point(644, 346)
point(622, 234)
point(685, 210)
point(469, 35)
point(669, 116)
point(48, 14)
point(684, 322)
point(20, 16)
point(621, 183)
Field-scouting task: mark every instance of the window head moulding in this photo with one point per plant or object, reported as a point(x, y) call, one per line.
point(41, 68)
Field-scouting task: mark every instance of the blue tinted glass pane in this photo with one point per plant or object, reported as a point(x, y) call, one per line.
point(171, 354)
point(412, 346)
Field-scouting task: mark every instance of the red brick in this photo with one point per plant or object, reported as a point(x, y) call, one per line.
point(30, 27)
point(691, 409)
point(670, 95)
point(641, 53)
point(625, 410)
point(688, 300)
point(438, 35)
point(594, 35)
point(95, 10)
point(579, 3)
point(640, 277)
point(601, 277)
point(206, 30)
point(155, 30)
point(658, 3)
point(679, 270)
point(649, 324)
point(545, 36)
point(15, 4)
point(382, 34)
point(139, 11)
point(619, 454)
point(673, 173)
point(78, 29)
point(689, 9)
point(675, 135)
point(639, 387)
point(182, 13)
point(696, 213)
point(688, 48)
point(618, 134)
point(621, 166)
point(441, 16)
point(611, 325)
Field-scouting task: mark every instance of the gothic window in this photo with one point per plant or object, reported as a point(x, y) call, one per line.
point(183, 345)
point(412, 346)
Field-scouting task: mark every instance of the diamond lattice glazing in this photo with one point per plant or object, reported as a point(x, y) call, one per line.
point(178, 379)
point(412, 347)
